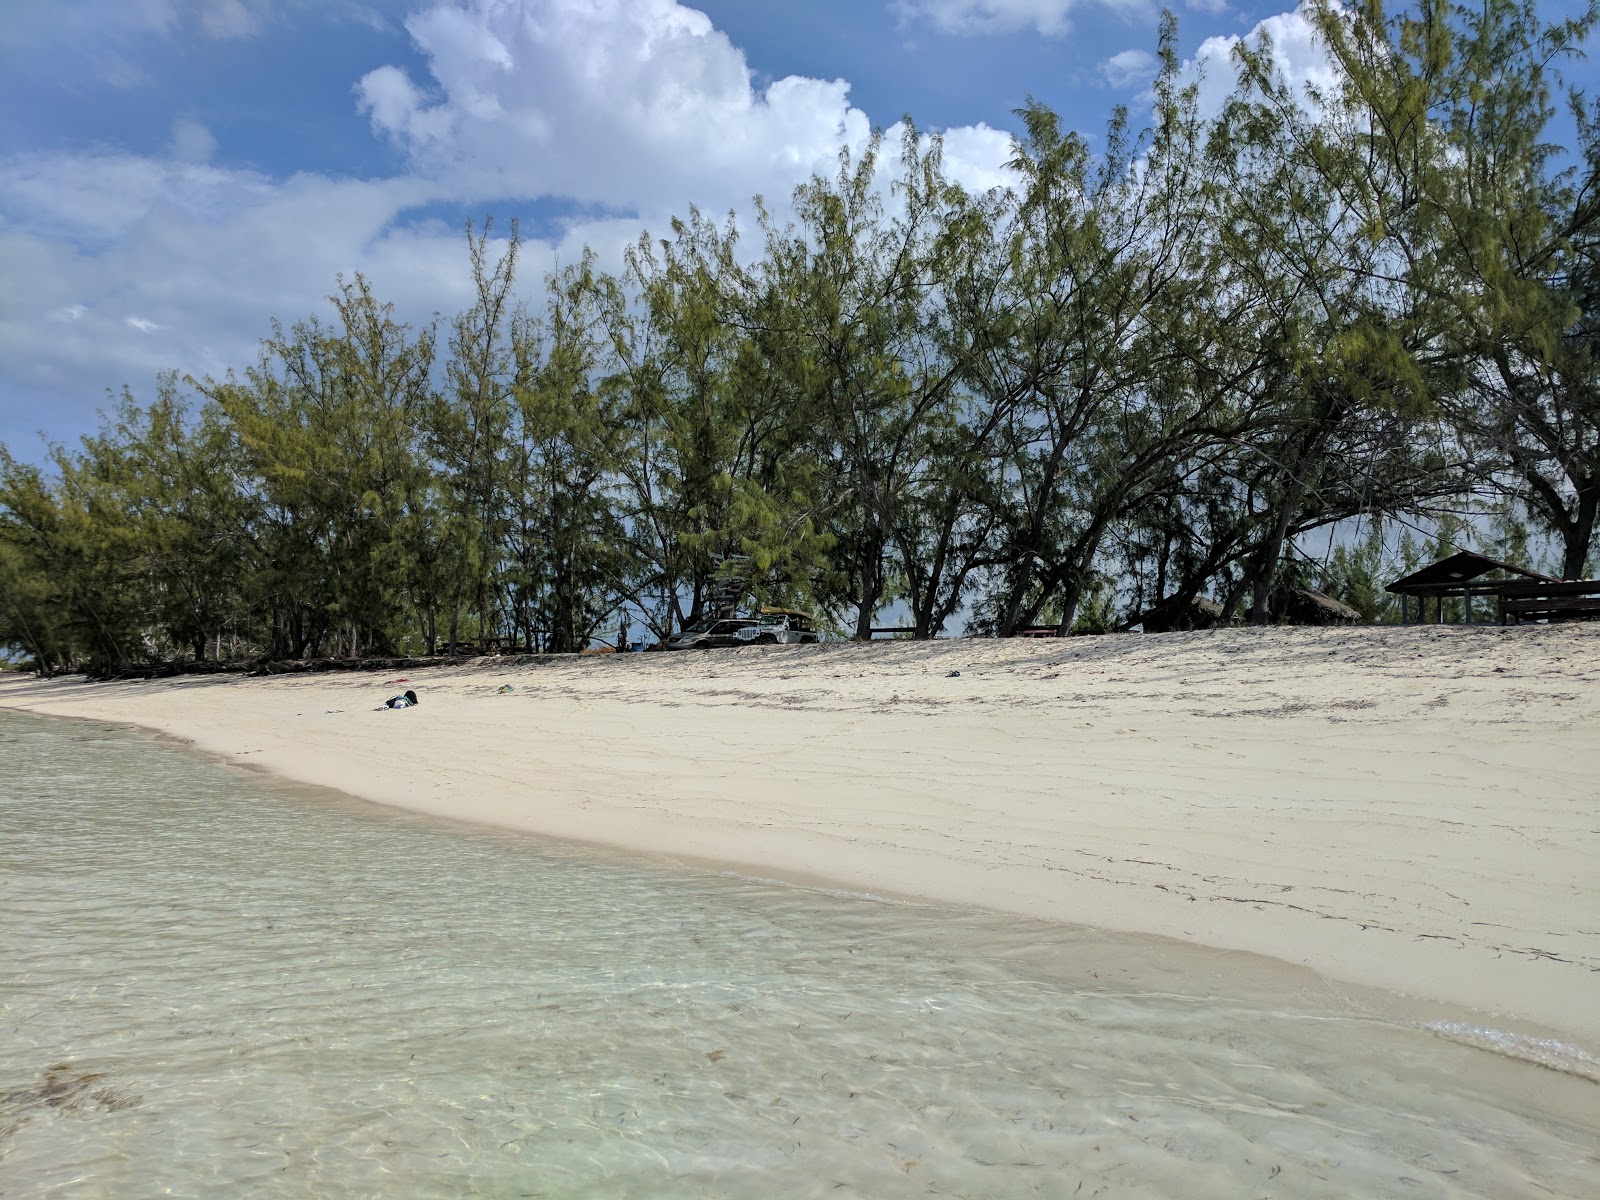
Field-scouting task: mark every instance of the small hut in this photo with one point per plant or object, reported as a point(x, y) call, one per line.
point(1169, 616)
point(1290, 605)
point(1465, 575)
point(1305, 606)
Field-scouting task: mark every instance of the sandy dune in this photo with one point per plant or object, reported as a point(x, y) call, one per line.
point(1414, 809)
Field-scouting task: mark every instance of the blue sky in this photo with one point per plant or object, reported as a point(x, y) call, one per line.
point(176, 173)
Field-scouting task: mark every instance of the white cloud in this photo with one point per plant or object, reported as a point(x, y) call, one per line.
point(1049, 17)
point(639, 107)
point(192, 142)
point(1210, 7)
point(1128, 68)
point(1297, 52)
point(142, 324)
point(976, 157)
point(621, 103)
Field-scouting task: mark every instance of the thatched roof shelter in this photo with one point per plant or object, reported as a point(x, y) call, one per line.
point(1306, 606)
point(1169, 616)
point(1296, 606)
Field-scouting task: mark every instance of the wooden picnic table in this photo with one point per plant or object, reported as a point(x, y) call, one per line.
point(1558, 600)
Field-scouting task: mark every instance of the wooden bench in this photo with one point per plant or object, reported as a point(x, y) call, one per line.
point(1567, 600)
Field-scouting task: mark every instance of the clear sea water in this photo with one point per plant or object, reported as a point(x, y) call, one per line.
point(214, 984)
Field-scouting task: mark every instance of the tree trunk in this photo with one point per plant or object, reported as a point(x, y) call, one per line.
point(1579, 535)
point(869, 568)
point(1230, 603)
point(1272, 548)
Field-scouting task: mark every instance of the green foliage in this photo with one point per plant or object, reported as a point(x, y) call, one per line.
point(1490, 236)
point(1147, 374)
point(1356, 574)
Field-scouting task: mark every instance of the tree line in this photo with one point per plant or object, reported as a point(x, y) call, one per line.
point(1164, 364)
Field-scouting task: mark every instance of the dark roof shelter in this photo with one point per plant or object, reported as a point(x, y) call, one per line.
point(1460, 575)
point(1305, 606)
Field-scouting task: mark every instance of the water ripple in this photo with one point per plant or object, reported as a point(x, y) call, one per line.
point(218, 985)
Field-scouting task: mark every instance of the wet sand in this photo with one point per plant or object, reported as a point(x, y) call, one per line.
point(1412, 809)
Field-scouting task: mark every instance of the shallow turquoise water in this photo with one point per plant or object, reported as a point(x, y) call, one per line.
point(213, 984)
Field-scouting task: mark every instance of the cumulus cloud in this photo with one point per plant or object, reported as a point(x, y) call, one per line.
point(975, 156)
point(1128, 68)
point(610, 102)
point(1297, 52)
point(638, 108)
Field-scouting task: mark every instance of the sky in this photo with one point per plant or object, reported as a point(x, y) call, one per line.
point(176, 174)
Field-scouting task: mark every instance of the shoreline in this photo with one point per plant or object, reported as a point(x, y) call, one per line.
point(1411, 809)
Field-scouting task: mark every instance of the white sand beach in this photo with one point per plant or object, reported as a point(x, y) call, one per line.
point(1414, 809)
